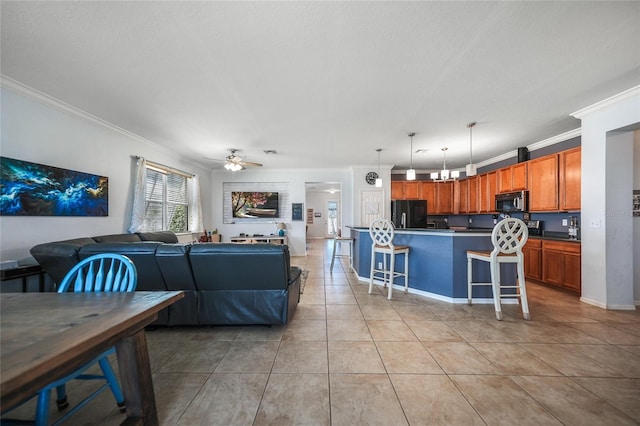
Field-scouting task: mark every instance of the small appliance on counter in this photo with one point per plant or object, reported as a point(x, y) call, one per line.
point(534, 227)
point(573, 228)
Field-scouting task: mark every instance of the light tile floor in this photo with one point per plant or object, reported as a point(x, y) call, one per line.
point(350, 358)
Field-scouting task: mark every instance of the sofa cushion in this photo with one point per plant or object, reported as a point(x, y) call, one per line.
point(174, 265)
point(118, 238)
point(161, 236)
point(239, 266)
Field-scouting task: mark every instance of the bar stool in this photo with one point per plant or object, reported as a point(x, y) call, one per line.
point(338, 240)
point(508, 237)
point(382, 232)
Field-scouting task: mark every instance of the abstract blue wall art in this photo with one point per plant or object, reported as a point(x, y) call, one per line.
point(31, 189)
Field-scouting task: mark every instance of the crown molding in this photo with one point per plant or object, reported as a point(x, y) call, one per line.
point(555, 139)
point(47, 100)
point(634, 91)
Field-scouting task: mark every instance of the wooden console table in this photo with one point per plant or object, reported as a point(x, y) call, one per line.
point(270, 239)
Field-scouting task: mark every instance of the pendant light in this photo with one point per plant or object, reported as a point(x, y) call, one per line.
point(445, 173)
point(471, 169)
point(378, 179)
point(411, 173)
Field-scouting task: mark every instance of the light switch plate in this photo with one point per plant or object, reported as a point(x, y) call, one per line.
point(565, 222)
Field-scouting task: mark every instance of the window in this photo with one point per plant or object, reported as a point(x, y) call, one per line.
point(166, 201)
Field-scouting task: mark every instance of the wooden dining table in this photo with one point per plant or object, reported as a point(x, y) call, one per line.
point(45, 336)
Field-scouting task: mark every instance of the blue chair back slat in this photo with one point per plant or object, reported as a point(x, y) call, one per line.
point(101, 272)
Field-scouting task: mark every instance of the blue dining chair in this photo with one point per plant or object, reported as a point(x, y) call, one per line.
point(106, 272)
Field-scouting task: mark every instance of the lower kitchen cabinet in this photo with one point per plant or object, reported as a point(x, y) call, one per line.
point(561, 264)
point(552, 262)
point(533, 259)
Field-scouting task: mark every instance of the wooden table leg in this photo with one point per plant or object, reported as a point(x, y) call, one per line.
point(135, 377)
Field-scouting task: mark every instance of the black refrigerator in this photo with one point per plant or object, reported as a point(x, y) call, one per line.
point(409, 213)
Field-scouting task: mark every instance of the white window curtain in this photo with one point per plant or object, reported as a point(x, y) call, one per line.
point(195, 205)
point(137, 214)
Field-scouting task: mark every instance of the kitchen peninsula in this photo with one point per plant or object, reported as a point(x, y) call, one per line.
point(437, 261)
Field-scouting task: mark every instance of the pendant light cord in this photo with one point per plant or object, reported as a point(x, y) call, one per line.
point(470, 126)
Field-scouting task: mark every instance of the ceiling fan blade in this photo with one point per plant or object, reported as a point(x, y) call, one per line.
point(250, 164)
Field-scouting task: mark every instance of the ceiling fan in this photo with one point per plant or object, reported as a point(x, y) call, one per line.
point(234, 162)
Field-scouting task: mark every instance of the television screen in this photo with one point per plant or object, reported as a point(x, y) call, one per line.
point(254, 205)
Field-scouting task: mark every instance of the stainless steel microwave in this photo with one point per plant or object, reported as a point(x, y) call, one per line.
point(512, 202)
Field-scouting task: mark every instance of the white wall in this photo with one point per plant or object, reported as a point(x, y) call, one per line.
point(636, 220)
point(297, 193)
point(607, 180)
point(41, 130)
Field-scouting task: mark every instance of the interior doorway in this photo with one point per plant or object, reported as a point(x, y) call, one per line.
point(323, 211)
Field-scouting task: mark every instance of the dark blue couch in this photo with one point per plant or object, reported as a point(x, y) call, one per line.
point(233, 284)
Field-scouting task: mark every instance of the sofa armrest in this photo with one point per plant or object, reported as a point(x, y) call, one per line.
point(294, 274)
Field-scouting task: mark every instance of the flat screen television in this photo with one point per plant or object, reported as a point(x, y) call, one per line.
point(255, 205)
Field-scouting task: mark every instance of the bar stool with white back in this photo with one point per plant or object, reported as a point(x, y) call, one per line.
point(338, 240)
point(382, 233)
point(508, 237)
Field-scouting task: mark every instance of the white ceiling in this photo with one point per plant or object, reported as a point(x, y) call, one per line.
point(326, 83)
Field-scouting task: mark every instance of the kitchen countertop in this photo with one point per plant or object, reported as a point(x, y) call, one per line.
point(546, 235)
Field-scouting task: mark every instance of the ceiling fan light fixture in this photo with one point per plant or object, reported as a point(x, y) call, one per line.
point(411, 173)
point(234, 167)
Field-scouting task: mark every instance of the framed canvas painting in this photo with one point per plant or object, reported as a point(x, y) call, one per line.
point(32, 189)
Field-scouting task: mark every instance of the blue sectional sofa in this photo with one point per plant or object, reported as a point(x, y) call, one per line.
point(224, 284)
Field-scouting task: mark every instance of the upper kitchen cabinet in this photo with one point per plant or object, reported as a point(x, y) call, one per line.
point(461, 196)
point(570, 178)
point(397, 192)
point(444, 198)
point(543, 183)
point(412, 190)
point(487, 186)
point(474, 200)
point(513, 178)
point(403, 190)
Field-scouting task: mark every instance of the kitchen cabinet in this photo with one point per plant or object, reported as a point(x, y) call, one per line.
point(474, 202)
point(443, 198)
point(532, 251)
point(412, 190)
point(513, 178)
point(543, 183)
point(397, 191)
point(570, 179)
point(561, 264)
point(428, 193)
point(403, 190)
point(487, 186)
point(461, 195)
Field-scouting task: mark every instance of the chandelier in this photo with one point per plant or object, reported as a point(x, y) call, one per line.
point(445, 174)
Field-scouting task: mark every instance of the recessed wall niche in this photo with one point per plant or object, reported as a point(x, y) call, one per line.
point(252, 213)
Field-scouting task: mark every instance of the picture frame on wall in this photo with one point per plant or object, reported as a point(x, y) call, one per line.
point(296, 211)
point(32, 189)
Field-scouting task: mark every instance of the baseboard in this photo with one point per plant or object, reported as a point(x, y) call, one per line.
point(453, 300)
point(611, 307)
